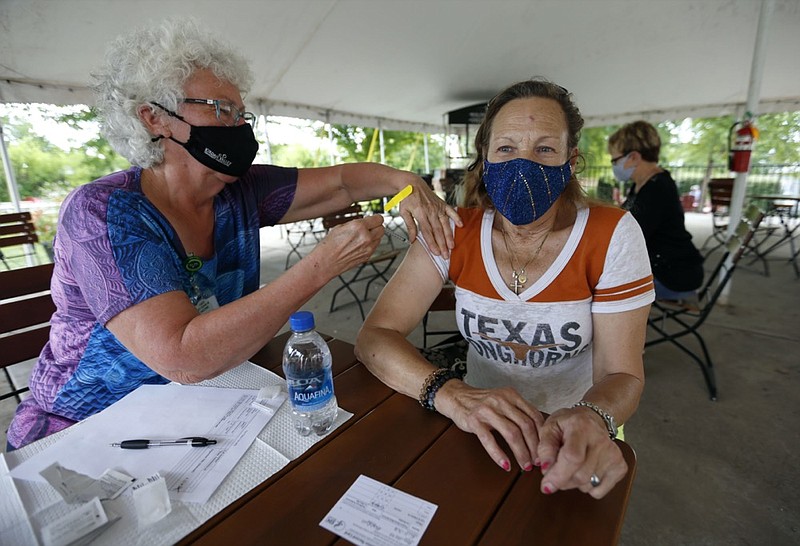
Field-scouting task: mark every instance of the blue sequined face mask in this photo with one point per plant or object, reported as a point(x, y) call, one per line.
point(523, 190)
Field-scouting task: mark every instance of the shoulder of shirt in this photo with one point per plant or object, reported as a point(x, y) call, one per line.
point(105, 186)
point(605, 213)
point(117, 180)
point(469, 214)
point(270, 169)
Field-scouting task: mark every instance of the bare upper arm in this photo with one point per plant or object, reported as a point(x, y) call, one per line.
point(618, 340)
point(409, 293)
point(319, 191)
point(153, 331)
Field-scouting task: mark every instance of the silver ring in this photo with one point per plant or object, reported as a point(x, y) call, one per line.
point(594, 481)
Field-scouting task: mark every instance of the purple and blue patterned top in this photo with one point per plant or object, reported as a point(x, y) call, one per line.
point(114, 249)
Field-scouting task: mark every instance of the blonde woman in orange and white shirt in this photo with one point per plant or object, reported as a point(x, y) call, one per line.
point(552, 295)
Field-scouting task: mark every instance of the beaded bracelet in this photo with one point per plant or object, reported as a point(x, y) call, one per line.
point(433, 383)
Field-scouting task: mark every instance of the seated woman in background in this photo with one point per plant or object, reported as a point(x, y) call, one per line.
point(653, 200)
point(552, 295)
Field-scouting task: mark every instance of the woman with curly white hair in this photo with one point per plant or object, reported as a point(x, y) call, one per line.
point(157, 267)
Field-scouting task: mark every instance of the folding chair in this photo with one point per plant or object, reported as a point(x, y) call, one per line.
point(720, 191)
point(25, 311)
point(445, 301)
point(373, 269)
point(673, 321)
point(296, 234)
point(16, 229)
point(780, 219)
point(450, 352)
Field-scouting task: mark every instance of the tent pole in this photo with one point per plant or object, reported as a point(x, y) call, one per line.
point(263, 110)
point(13, 190)
point(425, 148)
point(383, 149)
point(753, 94)
point(266, 140)
point(330, 137)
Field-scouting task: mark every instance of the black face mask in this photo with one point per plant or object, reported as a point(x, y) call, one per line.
point(228, 150)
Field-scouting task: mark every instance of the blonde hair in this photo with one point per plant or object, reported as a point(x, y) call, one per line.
point(638, 136)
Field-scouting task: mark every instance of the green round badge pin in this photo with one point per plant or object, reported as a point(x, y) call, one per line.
point(193, 263)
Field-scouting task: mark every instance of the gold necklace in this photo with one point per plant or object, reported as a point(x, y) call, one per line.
point(519, 278)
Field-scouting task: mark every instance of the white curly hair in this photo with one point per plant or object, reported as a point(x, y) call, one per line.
point(152, 64)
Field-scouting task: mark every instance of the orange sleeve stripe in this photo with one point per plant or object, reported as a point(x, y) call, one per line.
point(623, 287)
point(616, 295)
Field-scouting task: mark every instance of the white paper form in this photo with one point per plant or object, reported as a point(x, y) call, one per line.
point(275, 446)
point(15, 527)
point(374, 514)
point(161, 412)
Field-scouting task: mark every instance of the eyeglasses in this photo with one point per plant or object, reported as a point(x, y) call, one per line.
point(615, 159)
point(226, 112)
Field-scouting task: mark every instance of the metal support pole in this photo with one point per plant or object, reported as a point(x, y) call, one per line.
point(330, 137)
point(753, 95)
point(383, 150)
point(13, 190)
point(425, 148)
point(267, 143)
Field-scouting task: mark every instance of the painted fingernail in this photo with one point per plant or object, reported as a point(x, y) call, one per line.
point(545, 465)
point(547, 490)
point(506, 465)
point(528, 467)
point(537, 462)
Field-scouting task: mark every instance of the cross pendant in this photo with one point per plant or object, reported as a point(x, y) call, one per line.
point(516, 285)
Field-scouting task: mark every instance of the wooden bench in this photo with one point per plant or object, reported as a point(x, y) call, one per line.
point(16, 229)
point(25, 311)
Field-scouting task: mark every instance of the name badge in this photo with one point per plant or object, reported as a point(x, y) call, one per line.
point(207, 304)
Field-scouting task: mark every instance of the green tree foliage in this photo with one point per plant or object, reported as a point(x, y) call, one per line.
point(594, 144)
point(38, 165)
point(96, 157)
point(296, 155)
point(779, 139)
point(696, 141)
point(403, 150)
point(44, 170)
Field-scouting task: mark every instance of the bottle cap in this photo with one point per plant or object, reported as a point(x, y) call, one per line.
point(301, 321)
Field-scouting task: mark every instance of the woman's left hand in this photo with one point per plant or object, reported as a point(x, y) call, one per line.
point(573, 446)
point(433, 216)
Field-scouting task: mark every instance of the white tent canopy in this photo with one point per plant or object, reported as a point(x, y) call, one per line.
point(402, 64)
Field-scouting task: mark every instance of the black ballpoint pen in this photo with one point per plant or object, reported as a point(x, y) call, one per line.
point(192, 441)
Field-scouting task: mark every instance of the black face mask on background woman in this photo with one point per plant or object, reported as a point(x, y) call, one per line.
point(227, 150)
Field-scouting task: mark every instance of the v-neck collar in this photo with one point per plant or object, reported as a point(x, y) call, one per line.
point(493, 272)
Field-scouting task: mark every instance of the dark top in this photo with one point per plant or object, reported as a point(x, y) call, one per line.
point(675, 261)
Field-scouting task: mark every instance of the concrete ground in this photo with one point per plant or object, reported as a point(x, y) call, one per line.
point(709, 472)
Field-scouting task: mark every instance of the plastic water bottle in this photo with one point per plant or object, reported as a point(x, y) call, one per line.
point(307, 367)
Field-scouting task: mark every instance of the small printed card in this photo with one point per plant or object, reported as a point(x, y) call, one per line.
point(79, 526)
point(269, 399)
point(75, 487)
point(372, 513)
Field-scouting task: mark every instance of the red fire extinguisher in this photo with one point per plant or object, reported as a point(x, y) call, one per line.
point(740, 149)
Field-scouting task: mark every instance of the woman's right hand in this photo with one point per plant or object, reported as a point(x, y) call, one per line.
point(348, 245)
point(484, 411)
